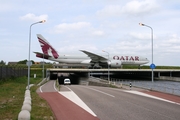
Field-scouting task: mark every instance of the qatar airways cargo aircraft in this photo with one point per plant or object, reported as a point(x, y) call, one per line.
point(89, 58)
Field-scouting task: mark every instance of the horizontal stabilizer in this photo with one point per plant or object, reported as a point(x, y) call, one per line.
point(41, 55)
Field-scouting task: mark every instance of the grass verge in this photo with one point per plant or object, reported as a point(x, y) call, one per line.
point(12, 93)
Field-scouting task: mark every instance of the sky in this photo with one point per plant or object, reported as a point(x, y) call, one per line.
point(92, 25)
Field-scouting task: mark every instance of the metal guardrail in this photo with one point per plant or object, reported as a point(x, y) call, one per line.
point(171, 87)
point(161, 86)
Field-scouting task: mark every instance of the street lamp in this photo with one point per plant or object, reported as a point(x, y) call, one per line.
point(108, 65)
point(43, 66)
point(29, 62)
point(152, 65)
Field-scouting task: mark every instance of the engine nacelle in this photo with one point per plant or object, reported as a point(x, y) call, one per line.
point(115, 63)
point(86, 62)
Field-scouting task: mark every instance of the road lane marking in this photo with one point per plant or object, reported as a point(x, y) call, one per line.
point(55, 86)
point(150, 96)
point(68, 88)
point(75, 99)
point(41, 88)
point(99, 91)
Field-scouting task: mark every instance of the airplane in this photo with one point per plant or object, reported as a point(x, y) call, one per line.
point(93, 60)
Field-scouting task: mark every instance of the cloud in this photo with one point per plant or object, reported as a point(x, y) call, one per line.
point(76, 47)
point(139, 35)
point(140, 7)
point(111, 10)
point(5, 6)
point(130, 47)
point(134, 7)
point(4, 32)
point(175, 39)
point(33, 17)
point(81, 30)
point(71, 26)
point(169, 45)
point(98, 33)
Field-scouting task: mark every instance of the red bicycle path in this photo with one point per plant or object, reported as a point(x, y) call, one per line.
point(64, 109)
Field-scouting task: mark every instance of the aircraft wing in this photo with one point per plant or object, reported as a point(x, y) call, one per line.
point(94, 57)
point(41, 55)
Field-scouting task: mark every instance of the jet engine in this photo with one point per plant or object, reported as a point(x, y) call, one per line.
point(86, 62)
point(115, 63)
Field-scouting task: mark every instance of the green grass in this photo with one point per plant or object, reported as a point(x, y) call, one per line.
point(40, 108)
point(12, 93)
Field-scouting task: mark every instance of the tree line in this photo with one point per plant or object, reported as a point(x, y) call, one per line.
point(23, 62)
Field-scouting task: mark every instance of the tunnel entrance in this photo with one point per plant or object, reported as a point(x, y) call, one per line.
point(75, 79)
point(53, 76)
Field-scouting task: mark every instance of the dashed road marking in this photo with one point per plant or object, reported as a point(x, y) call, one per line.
point(100, 91)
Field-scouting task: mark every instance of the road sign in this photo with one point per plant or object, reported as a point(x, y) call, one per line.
point(152, 66)
point(28, 63)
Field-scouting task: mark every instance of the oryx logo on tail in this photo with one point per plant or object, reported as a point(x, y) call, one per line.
point(46, 47)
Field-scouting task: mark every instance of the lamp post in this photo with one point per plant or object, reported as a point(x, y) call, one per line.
point(29, 63)
point(152, 65)
point(43, 66)
point(108, 65)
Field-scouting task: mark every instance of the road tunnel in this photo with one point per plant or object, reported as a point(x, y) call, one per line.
point(75, 79)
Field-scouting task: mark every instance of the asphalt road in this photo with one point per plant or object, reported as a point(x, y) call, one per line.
point(117, 104)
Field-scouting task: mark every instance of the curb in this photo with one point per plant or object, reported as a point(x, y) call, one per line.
point(26, 107)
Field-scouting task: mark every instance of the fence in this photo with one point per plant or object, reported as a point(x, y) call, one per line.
point(7, 72)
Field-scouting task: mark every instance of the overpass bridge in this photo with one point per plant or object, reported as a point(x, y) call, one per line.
point(112, 70)
point(139, 74)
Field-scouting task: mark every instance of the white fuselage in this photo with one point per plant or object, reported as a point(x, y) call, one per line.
point(125, 60)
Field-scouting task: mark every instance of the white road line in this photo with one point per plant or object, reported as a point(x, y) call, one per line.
point(68, 88)
point(150, 96)
point(55, 86)
point(99, 91)
point(41, 88)
point(75, 99)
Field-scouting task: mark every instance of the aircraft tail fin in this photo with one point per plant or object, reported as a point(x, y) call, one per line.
point(46, 47)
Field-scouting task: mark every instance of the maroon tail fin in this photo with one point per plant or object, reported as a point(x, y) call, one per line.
point(46, 47)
